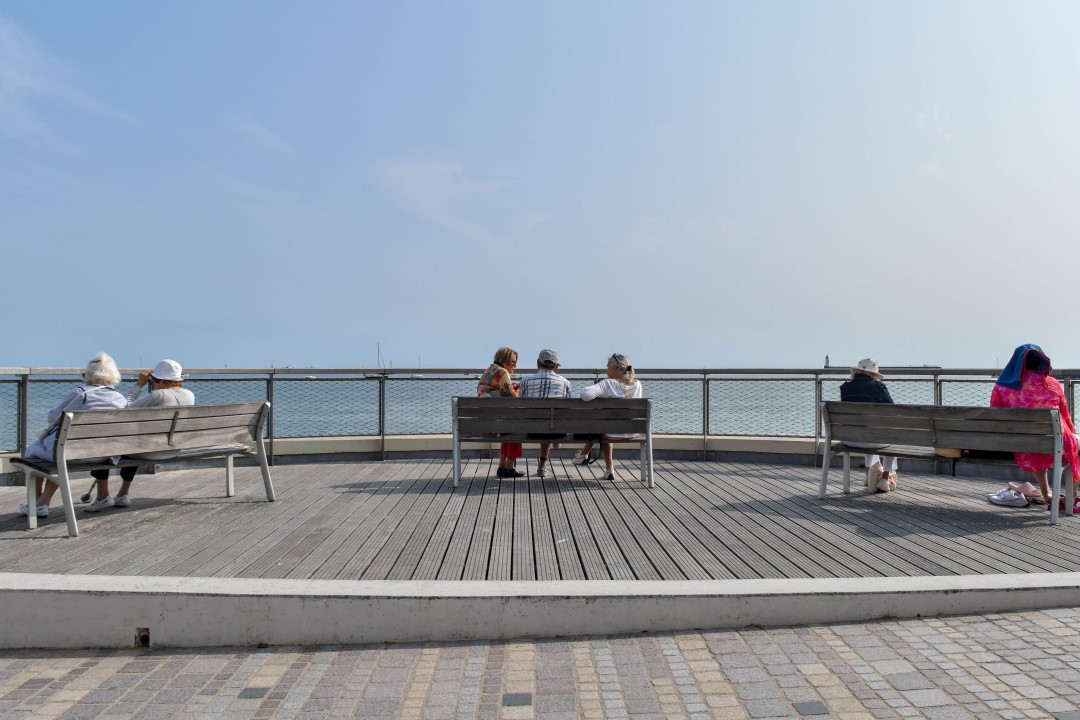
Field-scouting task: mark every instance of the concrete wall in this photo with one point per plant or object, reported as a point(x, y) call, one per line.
point(50, 611)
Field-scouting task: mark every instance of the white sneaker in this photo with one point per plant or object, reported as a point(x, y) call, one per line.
point(122, 501)
point(541, 471)
point(99, 505)
point(581, 458)
point(42, 510)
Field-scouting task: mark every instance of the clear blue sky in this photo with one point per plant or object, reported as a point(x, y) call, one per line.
point(692, 184)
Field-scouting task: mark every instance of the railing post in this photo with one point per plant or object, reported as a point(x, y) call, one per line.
point(382, 416)
point(23, 428)
point(270, 418)
point(705, 412)
point(937, 388)
point(818, 397)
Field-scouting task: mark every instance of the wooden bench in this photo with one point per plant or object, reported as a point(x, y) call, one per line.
point(914, 431)
point(88, 438)
point(510, 419)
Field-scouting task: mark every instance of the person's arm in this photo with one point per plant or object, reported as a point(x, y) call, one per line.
point(594, 391)
point(136, 389)
point(886, 397)
point(1063, 407)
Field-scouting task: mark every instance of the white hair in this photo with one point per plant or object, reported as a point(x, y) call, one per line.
point(101, 370)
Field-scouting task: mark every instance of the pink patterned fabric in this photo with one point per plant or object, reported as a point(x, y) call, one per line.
point(1040, 391)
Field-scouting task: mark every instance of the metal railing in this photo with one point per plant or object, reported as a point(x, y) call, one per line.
point(333, 402)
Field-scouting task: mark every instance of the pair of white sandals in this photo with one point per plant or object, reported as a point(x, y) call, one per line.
point(879, 480)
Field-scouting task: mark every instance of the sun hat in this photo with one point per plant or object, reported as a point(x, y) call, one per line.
point(869, 367)
point(168, 370)
point(548, 358)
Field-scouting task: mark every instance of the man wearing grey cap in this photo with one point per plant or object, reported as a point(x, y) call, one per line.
point(546, 383)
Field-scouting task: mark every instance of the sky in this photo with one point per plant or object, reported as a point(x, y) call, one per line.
point(693, 184)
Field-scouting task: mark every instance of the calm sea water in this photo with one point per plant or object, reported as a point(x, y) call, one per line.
point(350, 406)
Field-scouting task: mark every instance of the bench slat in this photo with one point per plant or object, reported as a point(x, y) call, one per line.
point(151, 427)
point(102, 447)
point(90, 417)
point(578, 425)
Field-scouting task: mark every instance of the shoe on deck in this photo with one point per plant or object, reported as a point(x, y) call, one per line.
point(501, 472)
point(541, 471)
point(581, 458)
point(99, 505)
point(42, 510)
point(122, 501)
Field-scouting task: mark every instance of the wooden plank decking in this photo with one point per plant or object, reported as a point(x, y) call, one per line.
point(402, 520)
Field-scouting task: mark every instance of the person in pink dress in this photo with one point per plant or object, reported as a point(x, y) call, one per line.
point(1026, 382)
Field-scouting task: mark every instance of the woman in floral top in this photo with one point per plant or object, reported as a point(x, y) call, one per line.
point(1026, 382)
point(496, 382)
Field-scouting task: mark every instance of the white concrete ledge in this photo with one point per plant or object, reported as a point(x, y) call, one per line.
point(74, 611)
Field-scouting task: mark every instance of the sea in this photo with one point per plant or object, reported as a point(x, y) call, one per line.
point(340, 406)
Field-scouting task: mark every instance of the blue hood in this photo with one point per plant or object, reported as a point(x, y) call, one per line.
point(1014, 370)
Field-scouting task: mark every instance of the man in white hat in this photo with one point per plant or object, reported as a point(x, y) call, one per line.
point(865, 386)
point(545, 383)
point(166, 380)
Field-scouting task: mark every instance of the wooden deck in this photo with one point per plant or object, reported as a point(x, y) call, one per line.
point(402, 520)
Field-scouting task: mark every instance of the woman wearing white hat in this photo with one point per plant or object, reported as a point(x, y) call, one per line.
point(167, 379)
point(865, 386)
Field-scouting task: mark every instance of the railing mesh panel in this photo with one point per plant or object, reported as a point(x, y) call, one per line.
point(761, 407)
point(901, 390)
point(676, 405)
point(326, 407)
point(422, 405)
point(9, 416)
point(966, 392)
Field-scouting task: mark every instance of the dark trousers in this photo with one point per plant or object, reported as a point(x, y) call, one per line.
point(126, 473)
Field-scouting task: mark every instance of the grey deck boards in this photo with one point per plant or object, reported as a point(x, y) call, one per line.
point(402, 520)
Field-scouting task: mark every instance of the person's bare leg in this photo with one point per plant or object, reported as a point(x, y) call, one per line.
point(45, 495)
point(102, 489)
point(1040, 475)
point(608, 448)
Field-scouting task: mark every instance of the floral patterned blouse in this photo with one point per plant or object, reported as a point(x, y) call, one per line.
point(495, 382)
point(1040, 391)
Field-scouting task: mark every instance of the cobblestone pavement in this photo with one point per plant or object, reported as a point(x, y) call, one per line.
point(1020, 665)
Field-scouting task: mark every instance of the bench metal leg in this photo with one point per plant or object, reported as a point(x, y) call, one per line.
point(230, 486)
point(268, 484)
point(647, 459)
point(1070, 489)
point(847, 473)
point(31, 499)
point(825, 473)
point(64, 482)
point(1055, 485)
point(457, 460)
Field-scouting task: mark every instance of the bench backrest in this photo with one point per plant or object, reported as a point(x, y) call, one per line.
point(967, 428)
point(103, 433)
point(476, 415)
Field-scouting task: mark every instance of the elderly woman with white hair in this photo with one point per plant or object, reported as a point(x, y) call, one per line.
point(96, 392)
point(865, 386)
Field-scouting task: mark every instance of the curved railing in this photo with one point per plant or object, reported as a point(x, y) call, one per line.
point(334, 402)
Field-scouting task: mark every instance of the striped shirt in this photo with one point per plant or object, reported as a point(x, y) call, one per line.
point(545, 384)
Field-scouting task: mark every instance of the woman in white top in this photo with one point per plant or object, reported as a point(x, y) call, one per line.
point(97, 392)
point(620, 383)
